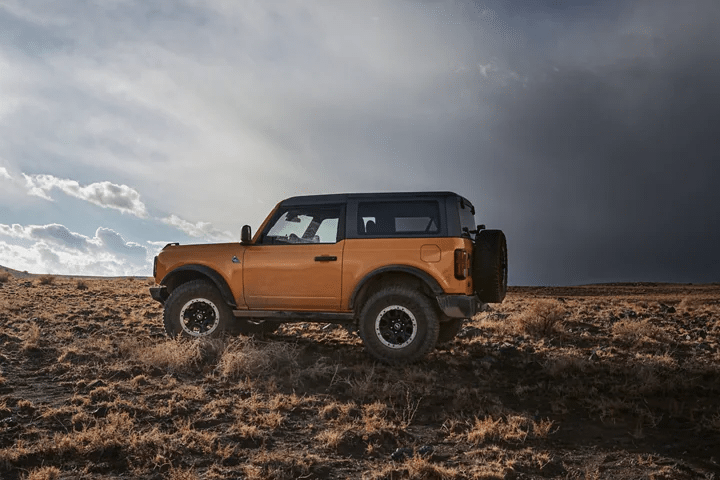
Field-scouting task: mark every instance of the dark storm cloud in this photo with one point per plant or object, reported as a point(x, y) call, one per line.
point(585, 131)
point(613, 165)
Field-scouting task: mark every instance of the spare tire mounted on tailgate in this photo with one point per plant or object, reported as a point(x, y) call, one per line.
point(490, 265)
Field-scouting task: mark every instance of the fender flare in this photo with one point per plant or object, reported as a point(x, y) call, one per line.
point(205, 271)
point(424, 277)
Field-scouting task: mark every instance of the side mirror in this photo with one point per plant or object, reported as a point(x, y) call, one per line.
point(246, 235)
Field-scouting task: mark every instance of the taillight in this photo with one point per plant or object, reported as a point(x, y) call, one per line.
point(462, 264)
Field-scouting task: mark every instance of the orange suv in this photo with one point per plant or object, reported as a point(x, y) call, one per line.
point(403, 269)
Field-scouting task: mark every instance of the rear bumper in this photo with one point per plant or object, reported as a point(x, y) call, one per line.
point(459, 306)
point(159, 294)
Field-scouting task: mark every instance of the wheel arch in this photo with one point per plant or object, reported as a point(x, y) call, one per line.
point(187, 273)
point(391, 273)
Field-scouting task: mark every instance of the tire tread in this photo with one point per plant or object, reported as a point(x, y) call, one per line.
point(194, 289)
point(413, 352)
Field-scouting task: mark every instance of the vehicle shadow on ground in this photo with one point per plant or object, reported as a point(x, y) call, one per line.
point(601, 400)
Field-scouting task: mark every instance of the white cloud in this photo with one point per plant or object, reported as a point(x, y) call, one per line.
point(60, 235)
point(156, 245)
point(15, 231)
point(55, 249)
point(107, 195)
point(198, 230)
point(42, 258)
point(103, 194)
point(114, 242)
point(4, 173)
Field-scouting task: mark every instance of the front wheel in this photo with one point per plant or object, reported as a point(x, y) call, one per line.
point(398, 325)
point(196, 310)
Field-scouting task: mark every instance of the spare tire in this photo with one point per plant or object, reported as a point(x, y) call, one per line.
point(490, 266)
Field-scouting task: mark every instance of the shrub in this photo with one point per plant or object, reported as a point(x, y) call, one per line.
point(543, 317)
point(46, 280)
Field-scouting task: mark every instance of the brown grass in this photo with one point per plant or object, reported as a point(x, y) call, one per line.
point(176, 355)
point(46, 279)
point(511, 429)
point(5, 277)
point(578, 382)
point(542, 318)
point(416, 467)
point(639, 330)
point(246, 356)
point(44, 473)
point(31, 338)
point(273, 465)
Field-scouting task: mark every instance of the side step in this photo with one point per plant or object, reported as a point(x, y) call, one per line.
point(284, 316)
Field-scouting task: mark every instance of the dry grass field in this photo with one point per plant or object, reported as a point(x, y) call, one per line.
point(611, 381)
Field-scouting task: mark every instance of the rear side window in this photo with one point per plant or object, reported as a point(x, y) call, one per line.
point(398, 218)
point(467, 219)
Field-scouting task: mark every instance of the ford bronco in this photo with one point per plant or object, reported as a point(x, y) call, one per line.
point(404, 270)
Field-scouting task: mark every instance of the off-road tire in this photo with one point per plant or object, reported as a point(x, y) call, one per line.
point(449, 329)
point(201, 298)
point(490, 266)
point(405, 307)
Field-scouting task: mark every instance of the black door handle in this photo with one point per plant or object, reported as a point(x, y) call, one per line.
point(326, 258)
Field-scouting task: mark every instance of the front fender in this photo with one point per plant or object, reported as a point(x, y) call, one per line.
point(194, 272)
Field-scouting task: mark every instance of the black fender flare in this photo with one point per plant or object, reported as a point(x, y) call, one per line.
point(424, 277)
point(207, 272)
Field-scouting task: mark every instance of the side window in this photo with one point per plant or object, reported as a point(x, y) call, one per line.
point(467, 219)
point(304, 225)
point(398, 218)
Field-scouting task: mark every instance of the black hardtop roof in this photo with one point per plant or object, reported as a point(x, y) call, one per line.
point(344, 197)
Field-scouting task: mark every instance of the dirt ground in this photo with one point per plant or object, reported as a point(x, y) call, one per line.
point(605, 381)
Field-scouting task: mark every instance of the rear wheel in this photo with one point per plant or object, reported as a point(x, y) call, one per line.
point(490, 266)
point(398, 325)
point(196, 310)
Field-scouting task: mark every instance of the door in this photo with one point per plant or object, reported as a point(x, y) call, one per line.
point(297, 262)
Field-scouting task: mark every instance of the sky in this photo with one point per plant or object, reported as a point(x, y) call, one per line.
point(586, 131)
